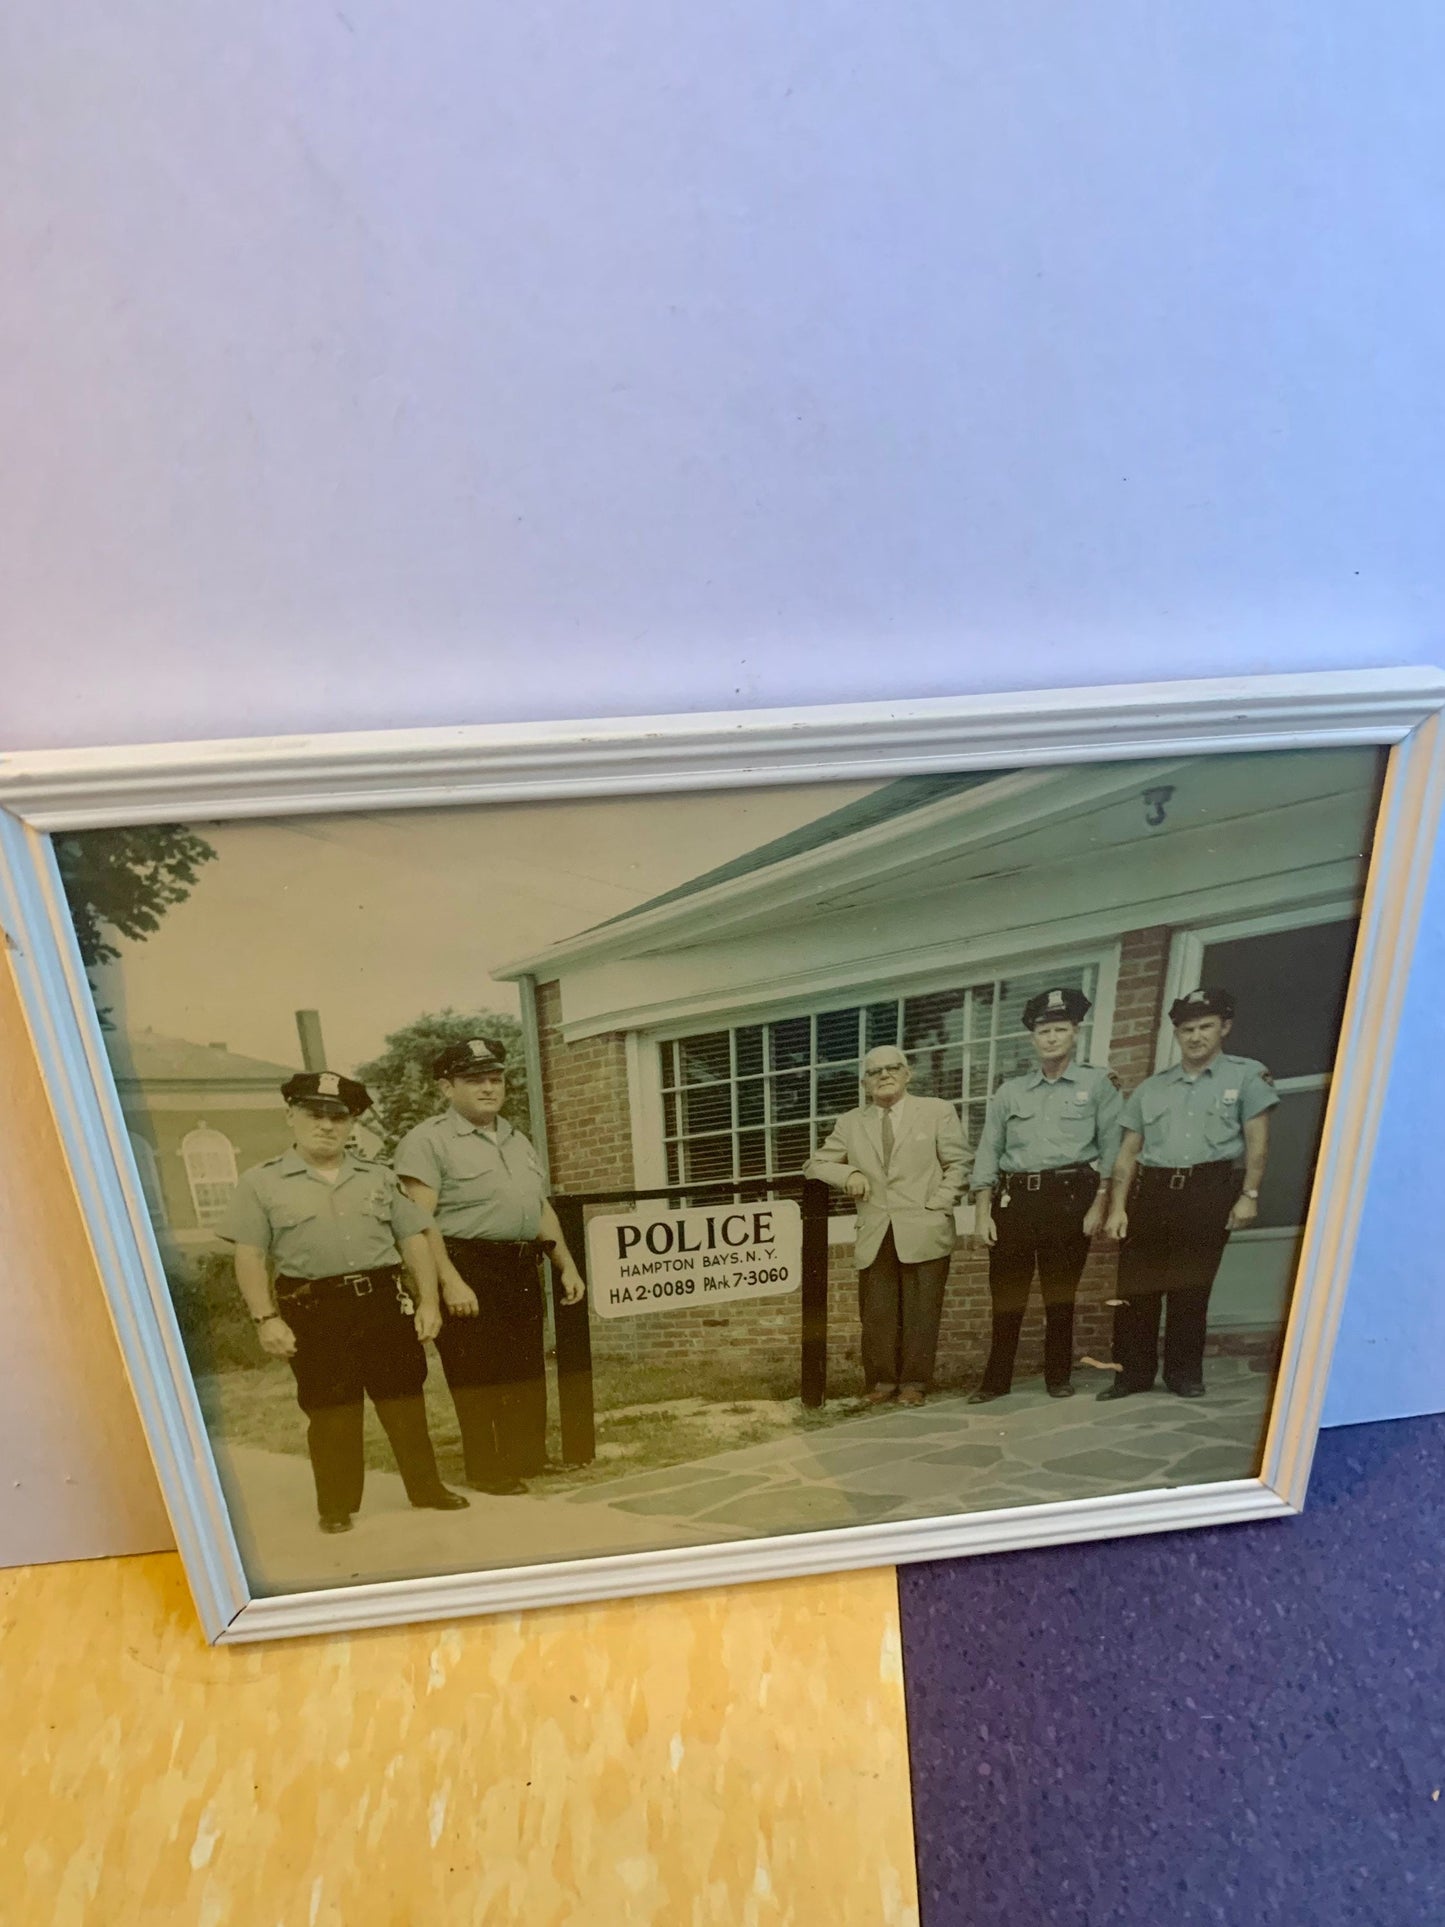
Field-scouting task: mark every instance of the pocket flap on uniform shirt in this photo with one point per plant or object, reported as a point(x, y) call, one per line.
point(286, 1217)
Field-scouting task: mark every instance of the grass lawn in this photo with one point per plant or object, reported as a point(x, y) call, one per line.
point(650, 1419)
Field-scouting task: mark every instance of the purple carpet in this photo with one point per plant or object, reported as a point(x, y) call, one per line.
point(1241, 1726)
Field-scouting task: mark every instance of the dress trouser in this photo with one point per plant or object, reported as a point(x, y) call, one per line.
point(1037, 1229)
point(1178, 1228)
point(353, 1342)
point(899, 1307)
point(495, 1362)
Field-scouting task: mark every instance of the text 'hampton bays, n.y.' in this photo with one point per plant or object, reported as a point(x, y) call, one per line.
point(642, 1261)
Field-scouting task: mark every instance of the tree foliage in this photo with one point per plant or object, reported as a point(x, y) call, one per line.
point(402, 1087)
point(125, 881)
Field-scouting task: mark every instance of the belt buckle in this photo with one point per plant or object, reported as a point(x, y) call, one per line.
point(1178, 1178)
point(359, 1282)
point(1033, 1180)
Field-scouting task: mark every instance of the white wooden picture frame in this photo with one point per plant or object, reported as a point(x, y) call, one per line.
point(209, 782)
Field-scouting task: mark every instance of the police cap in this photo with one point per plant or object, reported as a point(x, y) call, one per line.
point(1063, 1006)
point(1203, 1002)
point(475, 1055)
point(327, 1090)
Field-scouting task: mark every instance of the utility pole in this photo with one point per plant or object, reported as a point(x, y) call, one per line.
point(313, 1050)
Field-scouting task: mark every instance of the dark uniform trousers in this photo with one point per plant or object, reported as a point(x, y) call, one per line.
point(900, 1307)
point(1178, 1228)
point(495, 1362)
point(355, 1338)
point(1040, 1228)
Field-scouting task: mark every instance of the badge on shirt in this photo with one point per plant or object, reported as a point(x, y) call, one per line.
point(1231, 1097)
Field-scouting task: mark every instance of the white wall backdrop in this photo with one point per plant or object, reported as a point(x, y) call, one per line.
point(368, 364)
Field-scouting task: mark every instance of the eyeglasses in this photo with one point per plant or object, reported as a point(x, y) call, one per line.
point(881, 1070)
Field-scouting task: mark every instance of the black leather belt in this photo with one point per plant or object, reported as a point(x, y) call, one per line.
point(1179, 1175)
point(1037, 1180)
point(508, 1247)
point(362, 1283)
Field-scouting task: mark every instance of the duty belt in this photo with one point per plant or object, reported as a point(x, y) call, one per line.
point(1035, 1180)
point(362, 1283)
point(1180, 1174)
point(511, 1247)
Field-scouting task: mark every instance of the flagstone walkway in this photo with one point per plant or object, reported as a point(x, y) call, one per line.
point(945, 1457)
point(950, 1456)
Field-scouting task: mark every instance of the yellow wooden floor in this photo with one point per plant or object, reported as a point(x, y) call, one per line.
point(734, 1757)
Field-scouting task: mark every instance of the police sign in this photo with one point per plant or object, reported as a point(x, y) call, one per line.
point(664, 1260)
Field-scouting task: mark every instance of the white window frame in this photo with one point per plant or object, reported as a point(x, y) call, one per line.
point(644, 1070)
point(148, 1170)
point(1186, 959)
point(188, 1145)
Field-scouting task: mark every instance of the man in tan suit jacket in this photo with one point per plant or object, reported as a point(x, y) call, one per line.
point(905, 1160)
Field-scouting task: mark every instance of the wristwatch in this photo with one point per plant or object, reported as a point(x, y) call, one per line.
point(264, 1318)
point(1250, 1194)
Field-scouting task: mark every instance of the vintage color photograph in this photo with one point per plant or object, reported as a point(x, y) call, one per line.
point(543, 1181)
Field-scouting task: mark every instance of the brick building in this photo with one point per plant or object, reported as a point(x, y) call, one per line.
point(716, 1031)
point(197, 1115)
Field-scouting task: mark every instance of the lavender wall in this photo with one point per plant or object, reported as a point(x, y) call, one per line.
point(371, 364)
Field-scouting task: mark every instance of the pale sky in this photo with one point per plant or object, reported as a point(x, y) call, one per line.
point(375, 919)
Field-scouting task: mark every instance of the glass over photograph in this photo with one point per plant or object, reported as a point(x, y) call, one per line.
point(547, 1181)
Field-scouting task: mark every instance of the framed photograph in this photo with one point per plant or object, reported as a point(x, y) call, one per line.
point(540, 1163)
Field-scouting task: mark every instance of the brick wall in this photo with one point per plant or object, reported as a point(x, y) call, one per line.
point(1138, 1004)
point(589, 1130)
point(584, 1087)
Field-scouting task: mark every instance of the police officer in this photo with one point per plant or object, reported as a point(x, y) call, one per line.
point(338, 1230)
point(481, 1180)
point(1179, 1192)
point(1040, 1186)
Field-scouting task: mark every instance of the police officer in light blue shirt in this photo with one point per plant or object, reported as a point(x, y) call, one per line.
point(321, 1237)
point(1179, 1191)
point(480, 1179)
point(1040, 1182)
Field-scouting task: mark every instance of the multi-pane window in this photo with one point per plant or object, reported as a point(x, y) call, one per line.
point(756, 1100)
point(148, 1170)
point(210, 1161)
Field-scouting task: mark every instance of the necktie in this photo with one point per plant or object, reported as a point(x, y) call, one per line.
point(887, 1140)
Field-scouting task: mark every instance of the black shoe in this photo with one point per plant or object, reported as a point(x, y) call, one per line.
point(441, 1501)
point(982, 1397)
point(335, 1522)
point(1187, 1388)
point(1120, 1391)
point(1059, 1391)
point(501, 1487)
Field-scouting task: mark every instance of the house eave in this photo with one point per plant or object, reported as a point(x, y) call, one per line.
point(1015, 801)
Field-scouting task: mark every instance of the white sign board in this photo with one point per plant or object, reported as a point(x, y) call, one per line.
point(661, 1259)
